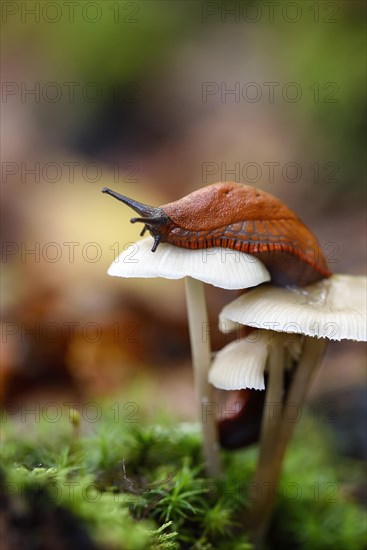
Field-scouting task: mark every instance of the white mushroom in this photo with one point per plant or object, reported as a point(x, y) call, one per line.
point(241, 364)
point(220, 267)
point(331, 309)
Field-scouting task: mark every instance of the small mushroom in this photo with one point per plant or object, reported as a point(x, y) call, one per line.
point(240, 367)
point(331, 309)
point(241, 364)
point(221, 267)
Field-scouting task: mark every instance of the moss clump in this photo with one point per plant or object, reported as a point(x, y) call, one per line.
point(131, 486)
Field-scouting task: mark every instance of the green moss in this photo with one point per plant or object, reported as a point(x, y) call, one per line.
point(135, 486)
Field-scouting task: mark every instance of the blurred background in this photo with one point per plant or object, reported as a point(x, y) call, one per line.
point(156, 99)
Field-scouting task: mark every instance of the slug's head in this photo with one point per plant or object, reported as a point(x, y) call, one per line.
point(153, 218)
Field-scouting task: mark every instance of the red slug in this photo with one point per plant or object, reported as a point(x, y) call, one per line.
point(239, 217)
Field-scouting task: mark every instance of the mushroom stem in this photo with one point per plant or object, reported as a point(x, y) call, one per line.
point(201, 359)
point(273, 401)
point(269, 468)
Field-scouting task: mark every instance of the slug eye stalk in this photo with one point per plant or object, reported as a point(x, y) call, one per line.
point(139, 207)
point(152, 217)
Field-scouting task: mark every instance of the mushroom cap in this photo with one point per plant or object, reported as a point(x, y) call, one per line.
point(241, 363)
point(333, 308)
point(219, 267)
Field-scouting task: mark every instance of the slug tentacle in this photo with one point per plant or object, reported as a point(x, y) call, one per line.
point(241, 218)
point(152, 217)
point(139, 207)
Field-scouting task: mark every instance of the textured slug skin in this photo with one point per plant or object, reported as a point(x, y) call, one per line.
point(243, 218)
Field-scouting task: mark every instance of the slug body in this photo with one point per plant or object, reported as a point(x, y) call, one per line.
point(238, 217)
